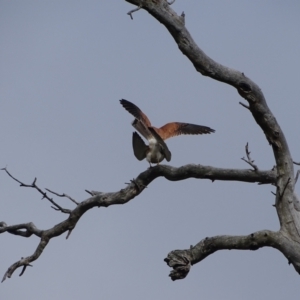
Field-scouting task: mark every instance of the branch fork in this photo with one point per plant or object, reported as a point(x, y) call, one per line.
point(249, 160)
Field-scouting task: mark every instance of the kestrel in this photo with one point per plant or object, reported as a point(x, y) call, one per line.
point(157, 149)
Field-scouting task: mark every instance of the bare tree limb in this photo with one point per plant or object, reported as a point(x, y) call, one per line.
point(134, 188)
point(182, 260)
point(24, 262)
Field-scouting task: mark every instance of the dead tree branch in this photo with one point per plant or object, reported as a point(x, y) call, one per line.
point(134, 188)
point(24, 262)
point(44, 194)
point(288, 209)
point(182, 260)
point(24, 230)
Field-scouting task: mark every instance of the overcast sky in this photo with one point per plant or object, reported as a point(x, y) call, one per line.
point(64, 65)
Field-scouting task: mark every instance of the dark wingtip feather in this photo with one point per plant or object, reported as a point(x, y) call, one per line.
point(197, 129)
point(130, 107)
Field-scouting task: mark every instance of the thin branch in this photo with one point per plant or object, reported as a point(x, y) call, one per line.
point(33, 185)
point(93, 193)
point(63, 195)
point(249, 160)
point(182, 260)
point(24, 268)
point(244, 105)
point(89, 192)
point(170, 2)
point(134, 10)
point(69, 233)
point(296, 163)
point(21, 183)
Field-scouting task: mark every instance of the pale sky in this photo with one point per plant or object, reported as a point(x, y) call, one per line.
point(64, 66)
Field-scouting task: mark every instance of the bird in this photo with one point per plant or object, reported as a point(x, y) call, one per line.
point(157, 150)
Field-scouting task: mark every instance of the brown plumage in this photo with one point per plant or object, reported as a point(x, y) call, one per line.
point(157, 149)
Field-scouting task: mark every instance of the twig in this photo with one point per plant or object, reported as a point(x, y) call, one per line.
point(69, 233)
point(170, 2)
point(89, 192)
point(63, 195)
point(94, 193)
point(138, 186)
point(24, 268)
point(296, 163)
point(244, 105)
point(33, 185)
point(249, 160)
point(21, 183)
point(134, 10)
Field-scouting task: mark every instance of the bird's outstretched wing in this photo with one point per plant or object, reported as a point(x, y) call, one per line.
point(142, 124)
point(136, 112)
point(176, 128)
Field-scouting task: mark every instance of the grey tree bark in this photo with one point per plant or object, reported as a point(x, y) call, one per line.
point(286, 240)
